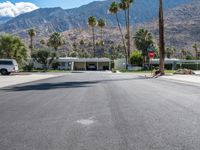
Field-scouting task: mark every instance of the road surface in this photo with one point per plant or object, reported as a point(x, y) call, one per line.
point(100, 111)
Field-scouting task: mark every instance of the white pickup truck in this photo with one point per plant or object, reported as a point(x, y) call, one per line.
point(8, 66)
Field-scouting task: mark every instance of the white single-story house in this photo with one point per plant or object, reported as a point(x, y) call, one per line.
point(71, 63)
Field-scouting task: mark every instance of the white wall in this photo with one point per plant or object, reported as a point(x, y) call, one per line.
point(120, 64)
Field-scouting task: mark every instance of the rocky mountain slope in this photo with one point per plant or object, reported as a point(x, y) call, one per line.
point(4, 19)
point(182, 19)
point(48, 20)
point(182, 26)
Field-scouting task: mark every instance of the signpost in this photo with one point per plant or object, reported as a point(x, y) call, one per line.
point(151, 54)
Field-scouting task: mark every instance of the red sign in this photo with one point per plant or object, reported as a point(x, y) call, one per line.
point(151, 54)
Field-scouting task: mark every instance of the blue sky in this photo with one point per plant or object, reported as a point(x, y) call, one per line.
point(54, 3)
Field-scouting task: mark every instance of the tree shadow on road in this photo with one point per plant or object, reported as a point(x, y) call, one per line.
point(62, 85)
point(48, 86)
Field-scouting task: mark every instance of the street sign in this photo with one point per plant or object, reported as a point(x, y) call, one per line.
point(151, 54)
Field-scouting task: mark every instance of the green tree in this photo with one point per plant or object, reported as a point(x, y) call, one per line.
point(44, 57)
point(56, 41)
point(114, 9)
point(136, 58)
point(143, 40)
point(125, 6)
point(43, 42)
point(186, 54)
point(170, 52)
point(73, 54)
point(82, 42)
point(92, 22)
point(31, 33)
point(11, 47)
point(101, 24)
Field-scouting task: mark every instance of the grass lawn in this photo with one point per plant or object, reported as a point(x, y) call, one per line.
point(51, 71)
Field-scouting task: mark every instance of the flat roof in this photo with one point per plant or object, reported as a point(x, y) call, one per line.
point(74, 59)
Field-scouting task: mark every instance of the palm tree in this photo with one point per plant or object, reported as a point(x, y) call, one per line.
point(125, 5)
point(161, 39)
point(113, 9)
point(42, 41)
point(143, 40)
point(195, 46)
point(169, 52)
point(92, 22)
point(31, 33)
point(55, 40)
point(101, 24)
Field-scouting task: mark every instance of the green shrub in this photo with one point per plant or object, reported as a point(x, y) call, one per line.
point(136, 58)
point(55, 65)
point(28, 67)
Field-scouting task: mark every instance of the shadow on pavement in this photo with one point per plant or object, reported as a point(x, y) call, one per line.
point(62, 85)
point(48, 86)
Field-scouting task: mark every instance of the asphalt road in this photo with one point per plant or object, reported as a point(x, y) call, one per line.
point(100, 111)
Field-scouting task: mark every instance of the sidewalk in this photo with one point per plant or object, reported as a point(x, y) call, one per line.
point(24, 78)
point(183, 78)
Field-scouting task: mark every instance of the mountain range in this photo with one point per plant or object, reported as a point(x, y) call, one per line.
point(48, 20)
point(182, 20)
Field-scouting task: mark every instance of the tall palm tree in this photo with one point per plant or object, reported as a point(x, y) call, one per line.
point(169, 52)
point(161, 39)
point(31, 33)
point(55, 40)
point(92, 22)
point(183, 53)
point(195, 46)
point(101, 24)
point(143, 40)
point(125, 6)
point(113, 9)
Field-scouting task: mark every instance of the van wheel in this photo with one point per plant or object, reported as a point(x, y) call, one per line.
point(4, 72)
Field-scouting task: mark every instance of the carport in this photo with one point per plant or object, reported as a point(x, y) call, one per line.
point(99, 64)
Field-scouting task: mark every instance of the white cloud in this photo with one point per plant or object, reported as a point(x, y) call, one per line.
point(8, 9)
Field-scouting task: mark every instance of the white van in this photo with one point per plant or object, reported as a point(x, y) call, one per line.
point(8, 66)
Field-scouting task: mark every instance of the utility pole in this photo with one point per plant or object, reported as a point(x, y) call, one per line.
point(161, 39)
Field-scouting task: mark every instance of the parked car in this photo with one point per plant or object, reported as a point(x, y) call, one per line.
point(92, 67)
point(8, 66)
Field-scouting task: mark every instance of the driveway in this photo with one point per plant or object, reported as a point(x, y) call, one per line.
point(100, 111)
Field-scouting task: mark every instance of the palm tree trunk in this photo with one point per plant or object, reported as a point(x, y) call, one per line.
point(101, 34)
point(31, 45)
point(161, 39)
point(101, 44)
point(125, 13)
point(94, 48)
point(123, 40)
point(128, 35)
point(196, 51)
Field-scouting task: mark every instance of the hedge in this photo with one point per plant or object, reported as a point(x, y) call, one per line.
point(192, 66)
